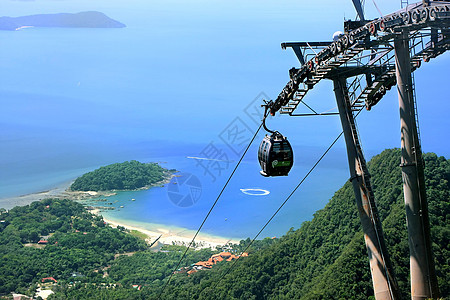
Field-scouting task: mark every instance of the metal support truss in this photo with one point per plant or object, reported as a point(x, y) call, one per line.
point(371, 45)
point(379, 54)
point(384, 284)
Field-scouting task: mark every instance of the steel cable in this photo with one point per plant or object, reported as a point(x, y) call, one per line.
point(281, 206)
point(209, 212)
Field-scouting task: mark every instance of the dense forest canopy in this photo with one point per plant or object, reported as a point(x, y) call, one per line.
point(128, 175)
point(76, 241)
point(324, 259)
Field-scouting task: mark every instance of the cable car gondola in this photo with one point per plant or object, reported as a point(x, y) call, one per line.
point(275, 155)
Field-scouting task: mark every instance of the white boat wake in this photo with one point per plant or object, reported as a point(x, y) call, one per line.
point(212, 159)
point(255, 192)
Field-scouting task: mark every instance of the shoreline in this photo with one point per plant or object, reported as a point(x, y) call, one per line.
point(26, 199)
point(163, 234)
point(170, 235)
point(63, 191)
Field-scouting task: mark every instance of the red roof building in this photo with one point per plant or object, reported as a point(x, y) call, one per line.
point(49, 278)
point(225, 254)
point(205, 264)
point(191, 272)
point(216, 258)
point(232, 256)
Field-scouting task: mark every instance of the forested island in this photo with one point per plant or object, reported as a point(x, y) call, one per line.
point(324, 259)
point(128, 175)
point(87, 19)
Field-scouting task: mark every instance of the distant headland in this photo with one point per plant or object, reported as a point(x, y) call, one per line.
point(87, 19)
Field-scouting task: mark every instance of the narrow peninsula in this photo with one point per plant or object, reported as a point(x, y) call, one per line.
point(87, 19)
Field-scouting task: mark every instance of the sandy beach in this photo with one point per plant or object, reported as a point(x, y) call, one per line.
point(173, 235)
point(162, 233)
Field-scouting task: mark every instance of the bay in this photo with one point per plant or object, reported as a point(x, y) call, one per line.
point(107, 96)
point(237, 214)
point(181, 80)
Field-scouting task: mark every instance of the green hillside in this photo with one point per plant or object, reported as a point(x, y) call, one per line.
point(326, 258)
point(80, 252)
point(128, 175)
point(75, 241)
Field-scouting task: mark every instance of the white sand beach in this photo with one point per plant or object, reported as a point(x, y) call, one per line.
point(173, 235)
point(162, 233)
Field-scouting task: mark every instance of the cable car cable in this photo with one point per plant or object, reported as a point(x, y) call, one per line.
point(290, 195)
point(210, 210)
point(281, 206)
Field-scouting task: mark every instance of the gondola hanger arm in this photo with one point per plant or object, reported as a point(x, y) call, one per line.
point(267, 106)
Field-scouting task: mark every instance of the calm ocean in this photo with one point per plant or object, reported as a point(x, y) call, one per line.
point(241, 210)
point(169, 86)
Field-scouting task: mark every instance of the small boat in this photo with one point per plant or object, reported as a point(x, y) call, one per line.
point(121, 206)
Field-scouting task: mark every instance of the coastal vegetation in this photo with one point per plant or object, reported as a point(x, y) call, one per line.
point(57, 238)
point(70, 239)
point(128, 175)
point(324, 259)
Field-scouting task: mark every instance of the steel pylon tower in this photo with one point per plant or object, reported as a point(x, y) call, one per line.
point(368, 59)
point(423, 275)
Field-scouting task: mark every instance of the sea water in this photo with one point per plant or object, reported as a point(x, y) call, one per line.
point(237, 214)
point(172, 88)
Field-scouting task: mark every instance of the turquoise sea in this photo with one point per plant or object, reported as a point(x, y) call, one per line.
point(182, 81)
point(240, 212)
